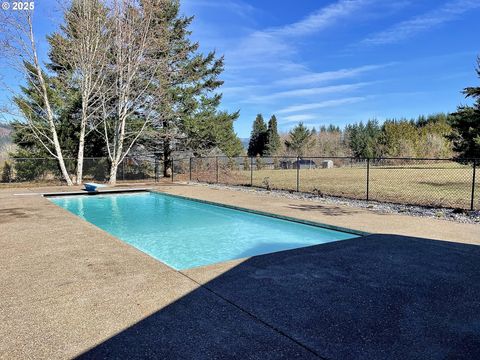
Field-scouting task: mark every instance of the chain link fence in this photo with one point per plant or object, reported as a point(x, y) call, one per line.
point(449, 183)
point(46, 170)
point(428, 182)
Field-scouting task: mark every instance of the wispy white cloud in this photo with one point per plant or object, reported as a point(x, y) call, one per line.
point(408, 28)
point(321, 18)
point(296, 118)
point(319, 105)
point(306, 92)
point(259, 44)
point(238, 7)
point(276, 45)
point(320, 77)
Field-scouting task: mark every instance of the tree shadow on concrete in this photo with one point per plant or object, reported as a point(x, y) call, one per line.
point(373, 297)
point(11, 214)
point(324, 210)
point(272, 247)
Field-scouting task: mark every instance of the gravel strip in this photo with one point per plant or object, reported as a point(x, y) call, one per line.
point(457, 215)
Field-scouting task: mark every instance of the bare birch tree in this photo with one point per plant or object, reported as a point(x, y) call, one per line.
point(18, 48)
point(128, 105)
point(80, 53)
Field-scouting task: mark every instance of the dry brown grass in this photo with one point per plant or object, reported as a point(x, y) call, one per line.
point(446, 184)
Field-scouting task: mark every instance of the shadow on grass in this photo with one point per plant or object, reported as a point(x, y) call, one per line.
point(450, 185)
point(375, 297)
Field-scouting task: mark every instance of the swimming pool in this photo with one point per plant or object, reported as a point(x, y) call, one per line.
point(185, 233)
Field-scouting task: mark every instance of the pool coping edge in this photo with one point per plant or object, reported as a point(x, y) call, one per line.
point(269, 214)
point(85, 192)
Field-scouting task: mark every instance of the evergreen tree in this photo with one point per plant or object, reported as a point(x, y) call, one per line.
point(6, 172)
point(66, 106)
point(365, 139)
point(465, 123)
point(332, 128)
point(186, 80)
point(258, 137)
point(273, 138)
point(300, 139)
point(209, 128)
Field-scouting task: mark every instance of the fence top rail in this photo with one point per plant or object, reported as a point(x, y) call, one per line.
point(425, 159)
point(338, 157)
point(140, 157)
point(263, 157)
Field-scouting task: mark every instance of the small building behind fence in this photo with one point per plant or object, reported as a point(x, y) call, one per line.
point(300, 163)
point(327, 164)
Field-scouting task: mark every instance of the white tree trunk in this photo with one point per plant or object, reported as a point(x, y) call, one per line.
point(61, 161)
point(48, 110)
point(18, 45)
point(81, 146)
point(113, 173)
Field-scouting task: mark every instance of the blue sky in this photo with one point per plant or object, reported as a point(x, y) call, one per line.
point(336, 62)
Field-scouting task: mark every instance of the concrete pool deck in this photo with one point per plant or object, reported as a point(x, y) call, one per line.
point(68, 289)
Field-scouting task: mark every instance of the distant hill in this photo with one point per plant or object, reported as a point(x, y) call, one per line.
point(5, 134)
point(245, 142)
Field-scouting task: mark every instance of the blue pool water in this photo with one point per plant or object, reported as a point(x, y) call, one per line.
point(186, 233)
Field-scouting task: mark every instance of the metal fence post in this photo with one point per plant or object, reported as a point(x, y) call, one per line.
point(298, 173)
point(173, 163)
point(251, 171)
point(216, 168)
point(123, 168)
point(472, 199)
point(156, 169)
point(368, 178)
point(190, 168)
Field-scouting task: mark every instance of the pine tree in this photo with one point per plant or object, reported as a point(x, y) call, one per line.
point(6, 172)
point(207, 128)
point(273, 138)
point(258, 137)
point(365, 139)
point(332, 128)
point(466, 124)
point(300, 139)
point(25, 134)
point(65, 104)
point(186, 102)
